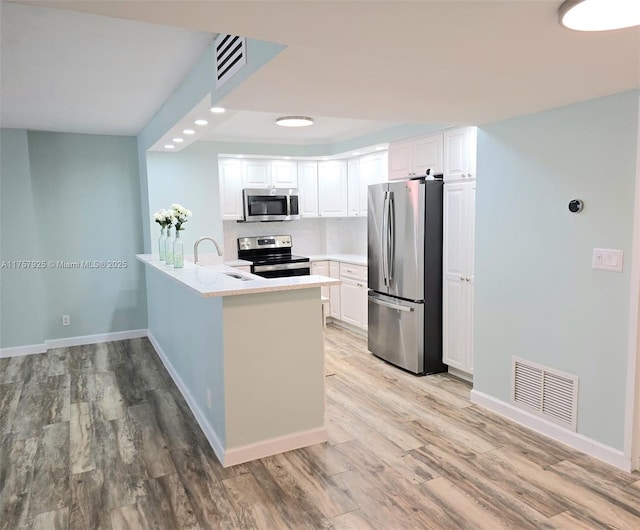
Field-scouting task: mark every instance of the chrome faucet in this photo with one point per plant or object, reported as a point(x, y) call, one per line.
point(195, 247)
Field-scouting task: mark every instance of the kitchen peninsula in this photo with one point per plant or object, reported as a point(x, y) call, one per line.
point(246, 352)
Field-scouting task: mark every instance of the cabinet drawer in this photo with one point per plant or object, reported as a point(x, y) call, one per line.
point(357, 272)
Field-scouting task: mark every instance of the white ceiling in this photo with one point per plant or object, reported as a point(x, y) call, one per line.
point(74, 72)
point(447, 61)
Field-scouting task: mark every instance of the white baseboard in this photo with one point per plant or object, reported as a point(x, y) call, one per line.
point(274, 446)
point(82, 340)
point(206, 427)
point(95, 339)
point(245, 453)
point(612, 456)
point(462, 375)
point(18, 351)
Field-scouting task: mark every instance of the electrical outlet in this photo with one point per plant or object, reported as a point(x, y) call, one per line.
point(209, 401)
point(66, 320)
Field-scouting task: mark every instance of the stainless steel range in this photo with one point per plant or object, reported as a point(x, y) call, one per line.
point(271, 256)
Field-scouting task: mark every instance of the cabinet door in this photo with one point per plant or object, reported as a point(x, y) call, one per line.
point(284, 174)
point(456, 154)
point(353, 187)
point(334, 290)
point(308, 188)
point(350, 304)
point(230, 173)
point(427, 154)
point(332, 188)
point(256, 173)
point(471, 223)
point(400, 160)
point(473, 151)
point(373, 170)
point(454, 295)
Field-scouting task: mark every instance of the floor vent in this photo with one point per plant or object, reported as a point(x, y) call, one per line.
point(546, 392)
point(231, 55)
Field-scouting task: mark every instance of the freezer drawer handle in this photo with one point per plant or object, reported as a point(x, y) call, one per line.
point(392, 306)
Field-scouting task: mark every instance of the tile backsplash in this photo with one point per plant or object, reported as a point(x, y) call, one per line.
point(309, 236)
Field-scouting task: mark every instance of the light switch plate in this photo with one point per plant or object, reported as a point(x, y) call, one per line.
point(607, 259)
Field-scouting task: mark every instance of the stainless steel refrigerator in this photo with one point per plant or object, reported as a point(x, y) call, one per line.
point(404, 241)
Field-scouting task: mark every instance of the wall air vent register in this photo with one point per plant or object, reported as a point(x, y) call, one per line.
point(545, 392)
point(231, 56)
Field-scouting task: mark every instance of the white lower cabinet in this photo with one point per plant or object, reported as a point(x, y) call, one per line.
point(334, 290)
point(353, 295)
point(458, 281)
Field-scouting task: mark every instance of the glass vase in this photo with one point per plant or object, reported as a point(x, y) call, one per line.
point(168, 248)
point(178, 252)
point(162, 241)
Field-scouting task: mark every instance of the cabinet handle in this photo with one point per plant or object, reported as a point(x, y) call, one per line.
point(461, 279)
point(467, 279)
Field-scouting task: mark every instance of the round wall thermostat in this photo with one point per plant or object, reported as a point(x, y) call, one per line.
point(576, 205)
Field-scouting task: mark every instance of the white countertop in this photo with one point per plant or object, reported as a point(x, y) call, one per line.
point(354, 259)
point(210, 280)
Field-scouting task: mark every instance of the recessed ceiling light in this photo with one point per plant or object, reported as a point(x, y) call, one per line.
point(201, 122)
point(169, 146)
point(178, 140)
point(189, 131)
point(294, 121)
point(599, 15)
point(217, 110)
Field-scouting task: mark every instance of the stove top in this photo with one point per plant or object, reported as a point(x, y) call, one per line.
point(268, 249)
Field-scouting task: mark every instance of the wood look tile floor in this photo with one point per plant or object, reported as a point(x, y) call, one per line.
point(98, 437)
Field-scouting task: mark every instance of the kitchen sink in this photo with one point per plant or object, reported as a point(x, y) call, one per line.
point(237, 276)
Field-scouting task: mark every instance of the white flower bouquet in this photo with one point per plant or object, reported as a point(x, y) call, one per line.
point(164, 218)
point(180, 215)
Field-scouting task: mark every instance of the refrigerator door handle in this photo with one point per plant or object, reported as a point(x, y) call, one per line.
point(384, 303)
point(392, 239)
point(384, 240)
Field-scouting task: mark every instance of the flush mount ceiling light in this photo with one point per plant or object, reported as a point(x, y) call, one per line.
point(294, 121)
point(599, 15)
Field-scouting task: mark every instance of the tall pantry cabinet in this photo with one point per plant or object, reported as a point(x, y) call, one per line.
point(459, 248)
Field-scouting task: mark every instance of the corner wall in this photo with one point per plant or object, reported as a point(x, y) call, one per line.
point(537, 296)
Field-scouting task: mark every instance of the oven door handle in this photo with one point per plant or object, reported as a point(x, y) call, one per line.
point(280, 267)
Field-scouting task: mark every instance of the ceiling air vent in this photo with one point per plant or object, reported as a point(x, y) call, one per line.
point(546, 392)
point(231, 55)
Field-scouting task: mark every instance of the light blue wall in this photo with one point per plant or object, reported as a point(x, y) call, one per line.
point(190, 178)
point(21, 289)
point(188, 327)
point(86, 194)
point(536, 295)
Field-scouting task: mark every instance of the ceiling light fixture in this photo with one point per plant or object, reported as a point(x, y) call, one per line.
point(599, 15)
point(189, 131)
point(294, 121)
point(201, 122)
point(169, 146)
point(217, 110)
point(178, 140)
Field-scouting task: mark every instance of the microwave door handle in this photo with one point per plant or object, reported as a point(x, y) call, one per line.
point(288, 205)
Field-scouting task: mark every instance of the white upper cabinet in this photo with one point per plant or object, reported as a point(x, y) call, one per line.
point(362, 172)
point(256, 173)
point(332, 188)
point(353, 187)
point(230, 173)
point(308, 188)
point(284, 174)
point(460, 153)
point(413, 158)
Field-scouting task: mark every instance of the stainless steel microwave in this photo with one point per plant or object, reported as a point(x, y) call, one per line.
point(270, 204)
